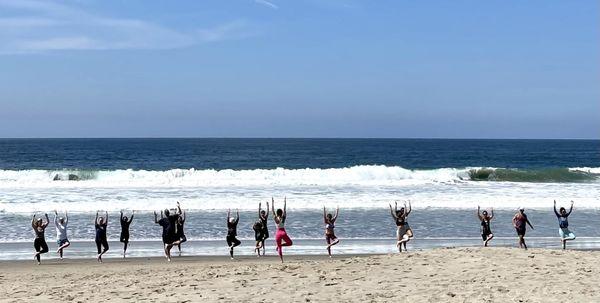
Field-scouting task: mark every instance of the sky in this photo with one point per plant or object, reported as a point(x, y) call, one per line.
point(301, 68)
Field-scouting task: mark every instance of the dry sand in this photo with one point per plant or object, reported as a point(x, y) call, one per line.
point(439, 275)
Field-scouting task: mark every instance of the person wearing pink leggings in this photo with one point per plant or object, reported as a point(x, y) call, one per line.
point(281, 237)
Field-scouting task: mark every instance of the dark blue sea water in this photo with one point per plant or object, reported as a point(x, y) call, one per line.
point(164, 154)
point(445, 181)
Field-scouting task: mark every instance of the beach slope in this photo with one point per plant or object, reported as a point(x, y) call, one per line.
point(438, 275)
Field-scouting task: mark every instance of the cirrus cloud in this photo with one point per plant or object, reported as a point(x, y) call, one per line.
point(40, 26)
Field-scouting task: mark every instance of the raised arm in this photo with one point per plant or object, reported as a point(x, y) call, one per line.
point(273, 207)
point(66, 218)
point(96, 220)
point(55, 218)
point(178, 208)
point(47, 221)
point(237, 216)
point(33, 220)
point(259, 209)
point(570, 209)
point(393, 213)
point(409, 209)
point(324, 215)
point(121, 217)
point(337, 212)
point(555, 211)
point(155, 217)
point(228, 215)
point(132, 214)
point(491, 213)
point(479, 213)
point(267, 211)
point(106, 220)
point(284, 206)
point(182, 216)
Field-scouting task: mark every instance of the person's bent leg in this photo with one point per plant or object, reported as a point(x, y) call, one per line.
point(287, 240)
point(490, 237)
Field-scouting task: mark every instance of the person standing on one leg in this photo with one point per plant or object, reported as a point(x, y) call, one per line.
point(125, 222)
point(281, 237)
point(258, 236)
point(486, 231)
point(263, 215)
point(563, 225)
point(61, 233)
point(231, 238)
point(330, 237)
point(403, 231)
point(179, 233)
point(40, 245)
point(168, 223)
point(100, 224)
point(520, 222)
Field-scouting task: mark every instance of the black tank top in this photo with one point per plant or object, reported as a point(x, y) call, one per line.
point(39, 232)
point(485, 227)
point(400, 221)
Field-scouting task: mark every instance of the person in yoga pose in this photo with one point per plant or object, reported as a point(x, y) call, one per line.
point(257, 227)
point(125, 222)
point(563, 225)
point(261, 230)
point(231, 238)
point(281, 237)
point(179, 233)
point(520, 222)
point(403, 231)
point(39, 243)
point(329, 221)
point(486, 231)
point(100, 224)
point(62, 240)
point(168, 223)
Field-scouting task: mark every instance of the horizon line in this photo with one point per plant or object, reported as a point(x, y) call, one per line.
point(309, 138)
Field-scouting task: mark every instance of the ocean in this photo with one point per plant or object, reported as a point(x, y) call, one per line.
point(445, 180)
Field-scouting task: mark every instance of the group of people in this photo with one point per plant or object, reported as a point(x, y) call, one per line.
point(520, 222)
point(172, 223)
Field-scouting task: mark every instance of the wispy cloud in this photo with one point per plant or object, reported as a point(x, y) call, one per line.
point(267, 4)
point(38, 26)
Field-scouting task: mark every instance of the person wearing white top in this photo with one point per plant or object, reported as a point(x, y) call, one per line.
point(61, 232)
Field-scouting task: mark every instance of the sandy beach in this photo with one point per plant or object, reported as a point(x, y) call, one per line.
point(438, 275)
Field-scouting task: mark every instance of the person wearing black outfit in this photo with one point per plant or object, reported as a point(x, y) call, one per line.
point(100, 224)
point(231, 238)
point(40, 245)
point(125, 222)
point(168, 222)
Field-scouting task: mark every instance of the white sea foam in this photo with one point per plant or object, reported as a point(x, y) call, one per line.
point(354, 187)
point(358, 175)
point(591, 170)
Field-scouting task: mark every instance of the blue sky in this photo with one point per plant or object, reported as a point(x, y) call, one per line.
point(306, 68)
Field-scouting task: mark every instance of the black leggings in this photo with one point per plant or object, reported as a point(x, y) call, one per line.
point(101, 243)
point(233, 240)
point(40, 246)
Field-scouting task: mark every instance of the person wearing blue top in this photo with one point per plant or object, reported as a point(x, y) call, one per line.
point(563, 224)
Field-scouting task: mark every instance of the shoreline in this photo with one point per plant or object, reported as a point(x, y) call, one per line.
point(442, 274)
